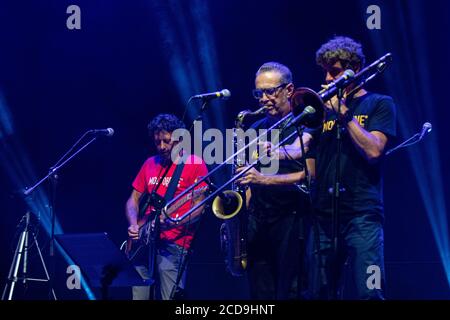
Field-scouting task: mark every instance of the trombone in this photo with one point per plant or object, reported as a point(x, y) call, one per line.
point(307, 109)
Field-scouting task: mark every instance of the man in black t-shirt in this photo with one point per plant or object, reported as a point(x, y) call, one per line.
point(368, 122)
point(276, 203)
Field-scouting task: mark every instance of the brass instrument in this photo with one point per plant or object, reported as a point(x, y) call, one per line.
point(307, 109)
point(233, 232)
point(229, 202)
point(243, 115)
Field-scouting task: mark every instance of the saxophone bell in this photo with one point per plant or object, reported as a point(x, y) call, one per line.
point(227, 204)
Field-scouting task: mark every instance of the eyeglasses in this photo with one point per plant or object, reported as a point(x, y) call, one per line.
point(258, 93)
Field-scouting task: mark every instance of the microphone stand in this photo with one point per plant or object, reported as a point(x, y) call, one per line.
point(310, 219)
point(408, 142)
point(52, 176)
point(183, 261)
point(185, 256)
point(302, 236)
point(301, 222)
point(336, 196)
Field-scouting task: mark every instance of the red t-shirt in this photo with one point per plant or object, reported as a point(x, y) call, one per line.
point(148, 177)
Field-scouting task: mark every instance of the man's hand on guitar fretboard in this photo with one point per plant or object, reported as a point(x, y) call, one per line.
point(164, 223)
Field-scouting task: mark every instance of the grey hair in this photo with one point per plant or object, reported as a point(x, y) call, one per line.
point(286, 74)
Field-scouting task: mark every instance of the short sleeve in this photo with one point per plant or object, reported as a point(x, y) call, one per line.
point(312, 150)
point(140, 182)
point(197, 169)
point(383, 117)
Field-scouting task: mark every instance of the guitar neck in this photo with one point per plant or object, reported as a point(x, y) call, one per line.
point(193, 195)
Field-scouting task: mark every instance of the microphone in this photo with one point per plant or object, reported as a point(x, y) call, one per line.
point(413, 140)
point(426, 128)
point(103, 132)
point(297, 120)
point(224, 94)
point(341, 81)
point(381, 63)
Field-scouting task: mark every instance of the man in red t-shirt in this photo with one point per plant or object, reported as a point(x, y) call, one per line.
point(154, 176)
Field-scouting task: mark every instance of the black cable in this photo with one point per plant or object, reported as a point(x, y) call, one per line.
point(184, 256)
point(290, 156)
point(70, 150)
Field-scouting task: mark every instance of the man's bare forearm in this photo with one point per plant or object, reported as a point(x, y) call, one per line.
point(370, 144)
point(131, 213)
point(283, 179)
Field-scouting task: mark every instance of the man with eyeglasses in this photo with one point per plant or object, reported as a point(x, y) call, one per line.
point(276, 203)
point(369, 122)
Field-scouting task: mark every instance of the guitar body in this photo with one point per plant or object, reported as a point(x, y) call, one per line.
point(146, 224)
point(133, 246)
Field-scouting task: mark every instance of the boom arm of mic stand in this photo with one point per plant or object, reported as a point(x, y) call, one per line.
point(54, 169)
point(408, 142)
point(52, 175)
point(71, 148)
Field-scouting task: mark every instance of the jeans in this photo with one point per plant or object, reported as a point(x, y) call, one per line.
point(361, 242)
point(168, 262)
point(273, 257)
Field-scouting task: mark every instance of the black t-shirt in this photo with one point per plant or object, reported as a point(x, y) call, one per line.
point(271, 202)
point(361, 180)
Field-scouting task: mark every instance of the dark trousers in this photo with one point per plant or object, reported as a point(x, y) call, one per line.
point(273, 250)
point(169, 258)
point(361, 243)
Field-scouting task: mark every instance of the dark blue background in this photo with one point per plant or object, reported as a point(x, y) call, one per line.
point(115, 72)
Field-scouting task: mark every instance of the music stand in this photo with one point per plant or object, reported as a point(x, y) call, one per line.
point(100, 261)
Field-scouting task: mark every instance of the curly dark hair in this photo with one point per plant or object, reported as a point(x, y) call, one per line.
point(286, 74)
point(343, 49)
point(164, 121)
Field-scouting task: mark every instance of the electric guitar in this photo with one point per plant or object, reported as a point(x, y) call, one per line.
point(147, 222)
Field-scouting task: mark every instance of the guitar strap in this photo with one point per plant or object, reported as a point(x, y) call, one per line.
point(155, 237)
point(175, 178)
point(147, 198)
